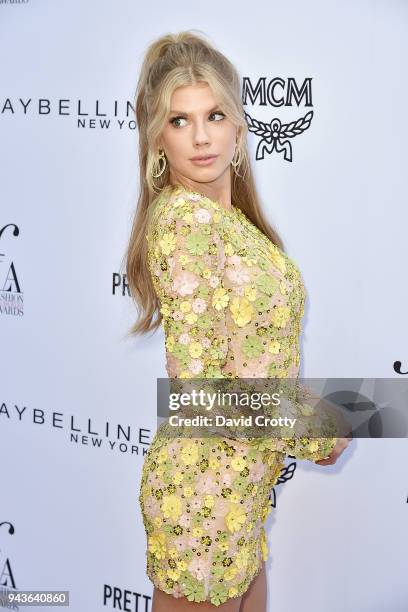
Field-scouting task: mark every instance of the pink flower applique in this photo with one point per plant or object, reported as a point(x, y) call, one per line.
point(202, 215)
point(199, 306)
point(185, 283)
point(184, 338)
point(199, 567)
point(196, 366)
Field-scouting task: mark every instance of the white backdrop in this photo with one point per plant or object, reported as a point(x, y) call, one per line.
point(77, 401)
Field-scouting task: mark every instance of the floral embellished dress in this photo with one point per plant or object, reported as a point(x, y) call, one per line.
point(232, 304)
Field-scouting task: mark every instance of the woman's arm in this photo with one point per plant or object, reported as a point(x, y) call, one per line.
point(209, 318)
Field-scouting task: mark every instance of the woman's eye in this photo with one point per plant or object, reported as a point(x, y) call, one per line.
point(176, 119)
point(218, 113)
point(172, 121)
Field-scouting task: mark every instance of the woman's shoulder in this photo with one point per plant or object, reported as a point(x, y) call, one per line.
point(176, 201)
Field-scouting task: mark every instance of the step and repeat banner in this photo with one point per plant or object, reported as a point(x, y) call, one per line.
point(78, 398)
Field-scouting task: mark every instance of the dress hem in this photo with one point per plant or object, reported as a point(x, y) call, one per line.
point(207, 600)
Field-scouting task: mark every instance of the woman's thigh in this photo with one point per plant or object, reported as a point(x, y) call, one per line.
point(204, 503)
point(254, 599)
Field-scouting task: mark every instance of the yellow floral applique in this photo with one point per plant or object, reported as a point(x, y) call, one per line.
point(242, 311)
point(250, 293)
point(264, 545)
point(235, 518)
point(167, 243)
point(238, 463)
point(171, 506)
point(278, 260)
point(220, 298)
point(195, 349)
point(274, 347)
point(228, 249)
point(280, 316)
point(157, 545)
point(189, 454)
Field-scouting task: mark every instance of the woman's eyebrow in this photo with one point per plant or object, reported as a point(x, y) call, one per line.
point(187, 114)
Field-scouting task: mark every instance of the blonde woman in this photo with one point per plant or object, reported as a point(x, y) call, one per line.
point(204, 258)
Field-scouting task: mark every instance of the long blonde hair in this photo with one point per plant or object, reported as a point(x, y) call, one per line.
point(172, 61)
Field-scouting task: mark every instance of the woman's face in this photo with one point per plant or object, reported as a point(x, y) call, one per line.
point(197, 127)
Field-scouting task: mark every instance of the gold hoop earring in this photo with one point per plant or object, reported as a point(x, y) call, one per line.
point(161, 161)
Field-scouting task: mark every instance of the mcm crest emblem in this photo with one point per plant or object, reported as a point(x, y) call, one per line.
point(275, 135)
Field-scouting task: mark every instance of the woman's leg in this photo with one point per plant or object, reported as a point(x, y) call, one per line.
point(162, 602)
point(254, 599)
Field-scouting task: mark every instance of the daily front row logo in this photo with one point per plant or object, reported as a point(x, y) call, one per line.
point(11, 296)
point(7, 577)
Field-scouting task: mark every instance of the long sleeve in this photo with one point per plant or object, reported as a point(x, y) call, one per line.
point(231, 302)
point(187, 264)
point(310, 447)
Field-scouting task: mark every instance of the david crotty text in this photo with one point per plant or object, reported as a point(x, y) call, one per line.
point(259, 420)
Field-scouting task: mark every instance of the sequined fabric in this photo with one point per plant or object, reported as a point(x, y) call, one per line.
point(232, 304)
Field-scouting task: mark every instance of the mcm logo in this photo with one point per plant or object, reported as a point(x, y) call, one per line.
point(275, 136)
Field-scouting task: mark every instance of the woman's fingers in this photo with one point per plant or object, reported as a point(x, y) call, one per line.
point(342, 444)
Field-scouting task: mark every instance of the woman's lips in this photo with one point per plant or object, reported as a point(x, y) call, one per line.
point(204, 161)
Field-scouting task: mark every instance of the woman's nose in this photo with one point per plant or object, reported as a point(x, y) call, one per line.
point(200, 134)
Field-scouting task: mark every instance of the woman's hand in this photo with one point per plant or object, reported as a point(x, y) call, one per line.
point(324, 407)
point(341, 445)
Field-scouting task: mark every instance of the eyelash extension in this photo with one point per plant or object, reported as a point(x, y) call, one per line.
point(181, 117)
